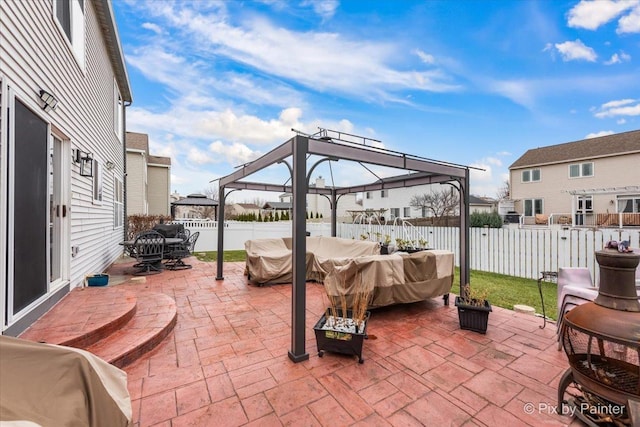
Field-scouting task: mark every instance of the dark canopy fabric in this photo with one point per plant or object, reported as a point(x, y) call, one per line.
point(195, 200)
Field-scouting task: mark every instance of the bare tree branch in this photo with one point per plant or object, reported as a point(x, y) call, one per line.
point(439, 203)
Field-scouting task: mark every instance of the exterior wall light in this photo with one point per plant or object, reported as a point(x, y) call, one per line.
point(49, 101)
point(86, 162)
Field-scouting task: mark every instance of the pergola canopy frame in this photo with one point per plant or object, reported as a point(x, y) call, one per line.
point(299, 148)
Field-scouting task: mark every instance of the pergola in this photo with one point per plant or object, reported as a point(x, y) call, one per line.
point(330, 146)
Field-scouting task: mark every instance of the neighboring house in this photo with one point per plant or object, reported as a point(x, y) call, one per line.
point(148, 178)
point(593, 182)
point(63, 92)
point(317, 203)
point(276, 207)
point(236, 209)
point(396, 201)
point(482, 204)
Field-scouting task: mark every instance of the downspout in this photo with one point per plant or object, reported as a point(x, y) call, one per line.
point(125, 231)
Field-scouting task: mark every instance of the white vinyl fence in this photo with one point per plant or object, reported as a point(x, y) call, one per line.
point(521, 252)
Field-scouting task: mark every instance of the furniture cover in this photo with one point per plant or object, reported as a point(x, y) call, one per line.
point(53, 385)
point(392, 279)
point(270, 261)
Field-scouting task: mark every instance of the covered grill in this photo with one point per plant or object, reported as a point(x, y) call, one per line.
point(602, 342)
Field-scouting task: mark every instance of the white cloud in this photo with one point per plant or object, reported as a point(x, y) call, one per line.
point(621, 121)
point(322, 61)
point(601, 133)
point(617, 59)
point(623, 107)
point(519, 91)
point(618, 103)
point(199, 157)
point(630, 23)
point(152, 27)
point(234, 153)
point(591, 14)
point(324, 8)
point(425, 57)
point(576, 50)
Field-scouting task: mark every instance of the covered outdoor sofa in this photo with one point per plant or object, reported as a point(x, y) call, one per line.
point(53, 385)
point(394, 279)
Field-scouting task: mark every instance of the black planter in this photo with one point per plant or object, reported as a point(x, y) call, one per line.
point(473, 318)
point(340, 342)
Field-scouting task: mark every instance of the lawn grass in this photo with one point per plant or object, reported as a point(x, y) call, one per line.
point(503, 291)
point(507, 291)
point(229, 256)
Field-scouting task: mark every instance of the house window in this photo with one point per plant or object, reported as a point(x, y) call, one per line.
point(585, 203)
point(407, 212)
point(580, 170)
point(118, 203)
point(384, 193)
point(395, 212)
point(532, 207)
point(70, 17)
point(629, 204)
point(97, 181)
point(117, 110)
point(425, 212)
point(531, 175)
point(368, 195)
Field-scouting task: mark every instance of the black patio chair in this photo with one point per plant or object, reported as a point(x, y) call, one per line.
point(181, 251)
point(149, 249)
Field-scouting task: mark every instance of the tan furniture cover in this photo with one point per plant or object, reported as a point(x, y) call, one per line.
point(392, 279)
point(57, 386)
point(342, 264)
point(270, 261)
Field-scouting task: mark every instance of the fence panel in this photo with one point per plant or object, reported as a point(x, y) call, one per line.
point(511, 251)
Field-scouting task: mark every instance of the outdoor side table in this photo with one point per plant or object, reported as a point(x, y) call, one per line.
point(546, 276)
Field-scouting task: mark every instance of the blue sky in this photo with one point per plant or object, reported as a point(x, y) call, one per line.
point(216, 84)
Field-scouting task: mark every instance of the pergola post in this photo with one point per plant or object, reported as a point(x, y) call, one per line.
point(299, 249)
point(334, 213)
point(465, 274)
point(220, 257)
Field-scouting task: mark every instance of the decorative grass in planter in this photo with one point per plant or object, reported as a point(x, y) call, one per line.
point(340, 334)
point(473, 311)
point(343, 326)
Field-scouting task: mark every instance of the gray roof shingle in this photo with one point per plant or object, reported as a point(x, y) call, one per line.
point(604, 146)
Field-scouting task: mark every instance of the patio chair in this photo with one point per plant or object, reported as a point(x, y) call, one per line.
point(149, 249)
point(181, 251)
point(575, 287)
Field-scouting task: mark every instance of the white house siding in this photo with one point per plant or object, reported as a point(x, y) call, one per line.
point(398, 198)
point(136, 183)
point(158, 195)
point(554, 184)
point(36, 54)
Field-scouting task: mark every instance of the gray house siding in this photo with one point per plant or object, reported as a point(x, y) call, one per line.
point(36, 54)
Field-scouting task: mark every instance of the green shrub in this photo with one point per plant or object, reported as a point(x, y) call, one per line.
point(481, 219)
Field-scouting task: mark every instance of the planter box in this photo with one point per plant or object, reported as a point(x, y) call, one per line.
point(340, 342)
point(473, 318)
point(97, 280)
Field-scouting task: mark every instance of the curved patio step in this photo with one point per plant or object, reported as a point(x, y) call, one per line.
point(155, 318)
point(84, 316)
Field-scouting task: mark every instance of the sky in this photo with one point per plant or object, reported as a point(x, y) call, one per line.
point(216, 84)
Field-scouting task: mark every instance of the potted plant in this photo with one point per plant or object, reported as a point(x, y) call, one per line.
point(384, 246)
point(473, 310)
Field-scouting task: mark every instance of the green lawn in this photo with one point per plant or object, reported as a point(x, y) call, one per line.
point(503, 291)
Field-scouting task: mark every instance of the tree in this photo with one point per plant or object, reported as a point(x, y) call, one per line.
point(439, 203)
point(209, 211)
point(503, 192)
